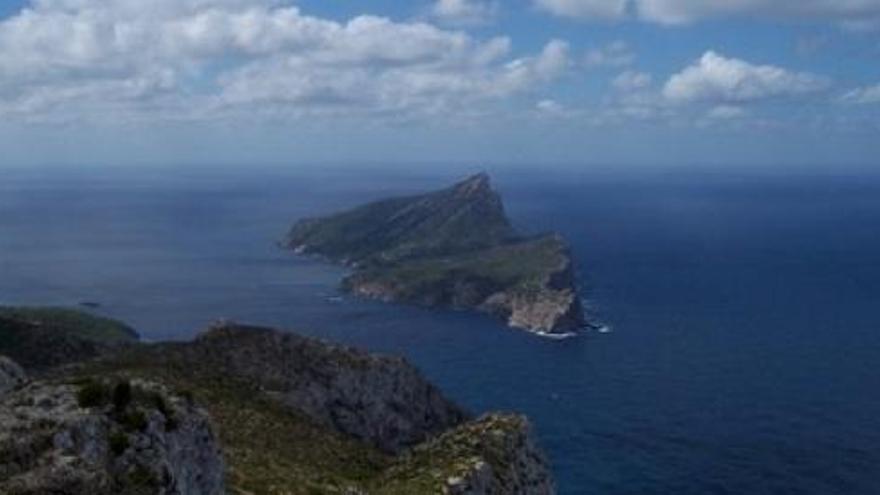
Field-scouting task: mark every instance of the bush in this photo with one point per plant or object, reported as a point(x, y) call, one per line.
point(118, 443)
point(92, 394)
point(134, 421)
point(162, 406)
point(121, 396)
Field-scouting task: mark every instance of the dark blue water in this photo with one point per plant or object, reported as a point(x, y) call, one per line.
point(745, 350)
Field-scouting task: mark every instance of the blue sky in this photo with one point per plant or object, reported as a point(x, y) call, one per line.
point(734, 83)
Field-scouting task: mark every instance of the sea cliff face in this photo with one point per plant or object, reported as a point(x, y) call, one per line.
point(381, 400)
point(452, 248)
point(242, 409)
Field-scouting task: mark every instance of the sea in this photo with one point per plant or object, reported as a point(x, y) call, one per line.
point(740, 310)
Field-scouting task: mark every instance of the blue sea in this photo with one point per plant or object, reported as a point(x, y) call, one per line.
point(743, 355)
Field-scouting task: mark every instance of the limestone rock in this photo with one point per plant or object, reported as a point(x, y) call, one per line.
point(49, 443)
point(12, 375)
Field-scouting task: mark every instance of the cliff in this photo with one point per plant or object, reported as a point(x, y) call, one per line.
point(244, 409)
point(101, 439)
point(451, 248)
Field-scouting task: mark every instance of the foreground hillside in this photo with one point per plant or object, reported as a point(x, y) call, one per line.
point(245, 410)
point(450, 248)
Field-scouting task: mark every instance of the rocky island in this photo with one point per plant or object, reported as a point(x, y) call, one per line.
point(239, 409)
point(451, 248)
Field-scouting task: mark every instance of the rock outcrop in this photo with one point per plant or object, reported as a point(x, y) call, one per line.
point(12, 375)
point(62, 438)
point(384, 401)
point(492, 455)
point(451, 248)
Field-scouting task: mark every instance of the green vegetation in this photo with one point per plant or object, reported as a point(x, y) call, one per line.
point(39, 338)
point(121, 395)
point(133, 421)
point(268, 448)
point(465, 217)
point(450, 248)
point(92, 393)
point(468, 279)
point(118, 443)
point(73, 322)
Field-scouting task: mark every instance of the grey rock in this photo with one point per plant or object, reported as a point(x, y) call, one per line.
point(382, 400)
point(49, 444)
point(12, 375)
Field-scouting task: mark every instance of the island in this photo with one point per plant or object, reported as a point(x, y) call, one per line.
point(453, 248)
point(87, 408)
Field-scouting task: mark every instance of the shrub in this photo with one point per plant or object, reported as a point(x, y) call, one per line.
point(118, 443)
point(162, 406)
point(121, 396)
point(134, 421)
point(92, 394)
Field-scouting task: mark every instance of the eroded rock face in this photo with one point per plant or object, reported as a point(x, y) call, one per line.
point(49, 443)
point(495, 454)
point(551, 306)
point(381, 400)
point(508, 461)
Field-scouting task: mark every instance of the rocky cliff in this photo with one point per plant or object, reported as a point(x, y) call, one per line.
point(451, 248)
point(96, 438)
point(244, 409)
point(381, 400)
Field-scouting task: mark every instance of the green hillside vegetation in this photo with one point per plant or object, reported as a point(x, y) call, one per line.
point(72, 322)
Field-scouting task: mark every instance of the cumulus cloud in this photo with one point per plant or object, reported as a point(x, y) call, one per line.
point(630, 80)
point(203, 57)
point(464, 12)
point(859, 14)
point(863, 96)
point(715, 78)
point(686, 11)
point(585, 9)
point(726, 112)
point(614, 54)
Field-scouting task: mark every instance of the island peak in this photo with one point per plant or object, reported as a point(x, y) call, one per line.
point(450, 248)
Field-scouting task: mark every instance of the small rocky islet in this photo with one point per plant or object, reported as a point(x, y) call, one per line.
point(452, 248)
point(86, 408)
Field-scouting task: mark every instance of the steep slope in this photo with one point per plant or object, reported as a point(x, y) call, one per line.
point(244, 409)
point(451, 248)
point(466, 216)
point(44, 337)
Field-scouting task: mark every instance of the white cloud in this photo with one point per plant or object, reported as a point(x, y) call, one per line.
point(726, 112)
point(614, 54)
point(863, 96)
point(856, 14)
point(686, 11)
point(585, 9)
point(715, 78)
point(186, 58)
point(629, 81)
point(464, 12)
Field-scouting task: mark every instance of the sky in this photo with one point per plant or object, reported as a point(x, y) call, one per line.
point(578, 83)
